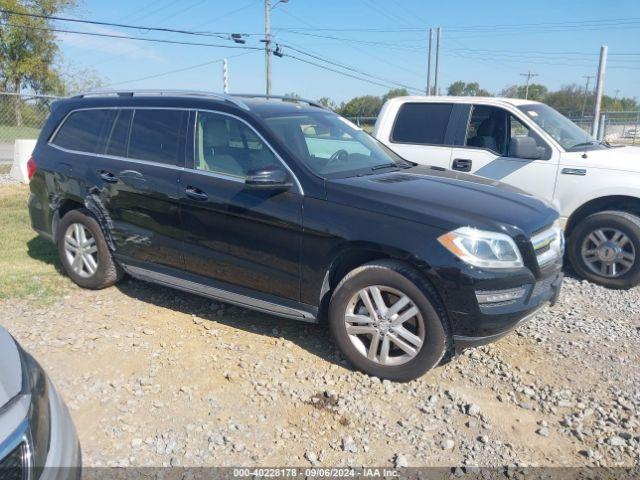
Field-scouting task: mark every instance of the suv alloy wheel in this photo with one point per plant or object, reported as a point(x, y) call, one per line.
point(388, 321)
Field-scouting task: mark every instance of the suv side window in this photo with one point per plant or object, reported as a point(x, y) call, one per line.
point(228, 146)
point(85, 130)
point(422, 123)
point(119, 135)
point(492, 128)
point(156, 135)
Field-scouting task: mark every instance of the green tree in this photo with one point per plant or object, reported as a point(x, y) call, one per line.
point(364, 106)
point(327, 103)
point(395, 92)
point(537, 92)
point(27, 51)
point(471, 89)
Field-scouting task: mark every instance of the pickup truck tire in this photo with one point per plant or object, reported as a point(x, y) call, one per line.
point(400, 332)
point(84, 252)
point(603, 239)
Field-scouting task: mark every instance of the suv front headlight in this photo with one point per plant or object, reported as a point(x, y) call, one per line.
point(482, 248)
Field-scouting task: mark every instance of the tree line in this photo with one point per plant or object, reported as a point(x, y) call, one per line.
point(571, 100)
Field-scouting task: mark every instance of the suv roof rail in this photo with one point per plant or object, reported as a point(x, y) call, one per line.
point(173, 93)
point(284, 98)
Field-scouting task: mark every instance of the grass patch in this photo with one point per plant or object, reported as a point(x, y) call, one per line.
point(29, 266)
point(9, 133)
point(5, 168)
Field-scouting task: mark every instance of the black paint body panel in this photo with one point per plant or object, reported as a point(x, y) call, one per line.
point(284, 244)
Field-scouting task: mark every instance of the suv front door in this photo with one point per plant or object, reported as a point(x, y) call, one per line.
point(249, 238)
point(489, 131)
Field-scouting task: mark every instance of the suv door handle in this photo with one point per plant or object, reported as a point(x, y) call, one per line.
point(196, 194)
point(108, 176)
point(462, 164)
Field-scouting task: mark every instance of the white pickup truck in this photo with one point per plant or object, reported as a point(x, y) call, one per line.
point(595, 186)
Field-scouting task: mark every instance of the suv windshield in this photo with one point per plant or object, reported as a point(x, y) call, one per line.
point(563, 130)
point(332, 146)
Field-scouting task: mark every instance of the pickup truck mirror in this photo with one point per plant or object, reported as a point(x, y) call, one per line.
point(271, 178)
point(524, 147)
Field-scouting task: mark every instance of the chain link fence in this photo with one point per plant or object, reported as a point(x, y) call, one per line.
point(621, 128)
point(21, 117)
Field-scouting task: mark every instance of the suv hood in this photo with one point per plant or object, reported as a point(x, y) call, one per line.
point(10, 368)
point(445, 199)
point(625, 158)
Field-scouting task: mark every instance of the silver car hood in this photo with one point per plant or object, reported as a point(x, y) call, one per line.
point(10, 368)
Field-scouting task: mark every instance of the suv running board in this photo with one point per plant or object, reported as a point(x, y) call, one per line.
point(219, 294)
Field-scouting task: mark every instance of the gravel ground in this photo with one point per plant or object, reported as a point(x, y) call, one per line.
point(154, 377)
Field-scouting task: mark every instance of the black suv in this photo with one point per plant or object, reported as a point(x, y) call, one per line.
point(283, 206)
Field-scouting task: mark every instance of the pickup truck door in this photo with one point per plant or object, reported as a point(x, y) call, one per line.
point(485, 151)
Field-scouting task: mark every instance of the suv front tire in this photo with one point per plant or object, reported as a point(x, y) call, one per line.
point(84, 252)
point(388, 321)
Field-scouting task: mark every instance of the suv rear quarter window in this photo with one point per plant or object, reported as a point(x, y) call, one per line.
point(422, 123)
point(85, 130)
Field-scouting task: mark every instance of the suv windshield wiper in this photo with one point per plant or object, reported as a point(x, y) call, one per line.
point(389, 165)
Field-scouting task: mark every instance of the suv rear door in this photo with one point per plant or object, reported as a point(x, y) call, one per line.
point(130, 160)
point(488, 131)
point(422, 133)
point(249, 238)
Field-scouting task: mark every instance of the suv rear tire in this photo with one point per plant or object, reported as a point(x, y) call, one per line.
point(84, 252)
point(604, 248)
point(388, 321)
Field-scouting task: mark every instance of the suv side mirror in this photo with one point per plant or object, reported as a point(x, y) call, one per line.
point(272, 178)
point(524, 147)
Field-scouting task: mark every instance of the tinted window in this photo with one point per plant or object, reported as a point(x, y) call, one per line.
point(85, 130)
point(227, 145)
point(422, 123)
point(156, 134)
point(117, 141)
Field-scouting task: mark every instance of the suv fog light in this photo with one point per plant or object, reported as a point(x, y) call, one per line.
point(495, 296)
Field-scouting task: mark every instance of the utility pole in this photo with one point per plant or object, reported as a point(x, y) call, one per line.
point(529, 76)
point(599, 89)
point(267, 40)
point(267, 44)
point(438, 44)
point(586, 93)
point(225, 76)
point(429, 62)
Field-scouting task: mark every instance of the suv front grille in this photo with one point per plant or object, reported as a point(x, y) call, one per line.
point(14, 465)
point(548, 245)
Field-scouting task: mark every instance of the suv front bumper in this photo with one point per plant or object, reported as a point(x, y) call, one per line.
point(479, 316)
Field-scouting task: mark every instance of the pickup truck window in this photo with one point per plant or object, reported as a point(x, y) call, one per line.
point(422, 123)
point(492, 128)
point(563, 130)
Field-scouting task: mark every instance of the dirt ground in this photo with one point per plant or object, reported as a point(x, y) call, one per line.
point(155, 377)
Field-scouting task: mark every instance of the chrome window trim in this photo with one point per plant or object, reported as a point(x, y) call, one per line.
point(235, 177)
point(165, 165)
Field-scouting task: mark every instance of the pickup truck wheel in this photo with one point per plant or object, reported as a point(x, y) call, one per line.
point(84, 252)
point(388, 321)
point(605, 249)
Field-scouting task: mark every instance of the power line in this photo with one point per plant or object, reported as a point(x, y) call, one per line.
point(178, 70)
point(127, 37)
point(112, 24)
point(347, 67)
point(324, 67)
